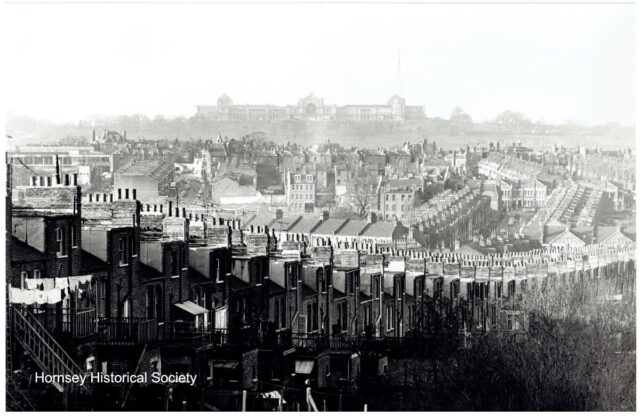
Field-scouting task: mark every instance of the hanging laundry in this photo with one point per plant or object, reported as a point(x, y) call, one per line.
point(31, 284)
point(61, 283)
point(16, 295)
point(48, 284)
point(74, 282)
point(54, 296)
point(41, 297)
point(29, 297)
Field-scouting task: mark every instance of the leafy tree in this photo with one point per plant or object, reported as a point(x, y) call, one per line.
point(459, 116)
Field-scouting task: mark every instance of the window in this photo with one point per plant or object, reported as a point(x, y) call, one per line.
point(292, 277)
point(61, 247)
point(158, 302)
point(72, 233)
point(315, 316)
point(126, 309)
point(149, 303)
point(283, 314)
point(367, 316)
point(218, 270)
point(173, 259)
point(391, 313)
point(309, 320)
point(376, 290)
point(312, 316)
point(322, 285)
point(124, 256)
point(455, 289)
point(101, 298)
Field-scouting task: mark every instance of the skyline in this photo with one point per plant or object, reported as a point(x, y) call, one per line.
point(553, 63)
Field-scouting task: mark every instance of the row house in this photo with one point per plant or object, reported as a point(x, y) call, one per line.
point(52, 310)
point(455, 225)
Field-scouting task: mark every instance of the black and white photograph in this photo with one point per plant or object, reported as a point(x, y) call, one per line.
point(319, 206)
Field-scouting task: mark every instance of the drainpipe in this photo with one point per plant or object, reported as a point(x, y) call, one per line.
point(380, 310)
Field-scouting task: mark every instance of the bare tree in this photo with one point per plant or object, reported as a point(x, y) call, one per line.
point(363, 193)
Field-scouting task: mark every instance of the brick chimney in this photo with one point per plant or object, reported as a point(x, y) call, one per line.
point(372, 217)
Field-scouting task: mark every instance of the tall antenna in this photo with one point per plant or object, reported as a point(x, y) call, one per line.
point(399, 75)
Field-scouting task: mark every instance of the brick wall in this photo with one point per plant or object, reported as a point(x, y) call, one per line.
point(347, 258)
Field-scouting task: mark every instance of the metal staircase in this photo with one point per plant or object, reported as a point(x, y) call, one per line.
point(50, 357)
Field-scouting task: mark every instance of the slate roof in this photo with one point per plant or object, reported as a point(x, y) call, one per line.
point(352, 228)
point(259, 220)
point(328, 227)
point(307, 291)
point(149, 272)
point(305, 224)
point(283, 224)
point(22, 252)
point(91, 263)
point(380, 229)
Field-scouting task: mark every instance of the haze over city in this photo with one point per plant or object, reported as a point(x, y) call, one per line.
point(554, 63)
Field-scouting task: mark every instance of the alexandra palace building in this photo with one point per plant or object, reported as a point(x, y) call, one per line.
point(311, 108)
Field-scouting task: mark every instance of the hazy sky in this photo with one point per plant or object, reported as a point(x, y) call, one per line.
point(555, 63)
